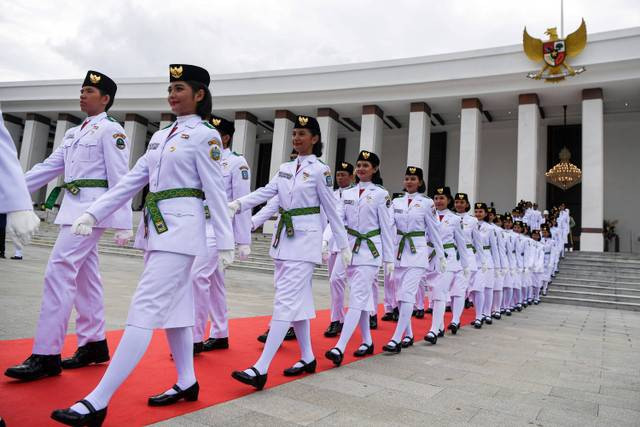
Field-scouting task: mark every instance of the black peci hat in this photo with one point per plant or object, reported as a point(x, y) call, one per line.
point(491, 210)
point(224, 126)
point(345, 167)
point(369, 156)
point(480, 205)
point(102, 82)
point(463, 197)
point(414, 171)
point(186, 72)
point(307, 122)
point(443, 191)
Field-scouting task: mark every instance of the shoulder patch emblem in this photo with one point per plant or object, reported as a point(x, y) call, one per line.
point(214, 142)
point(120, 144)
point(214, 153)
point(244, 172)
point(327, 179)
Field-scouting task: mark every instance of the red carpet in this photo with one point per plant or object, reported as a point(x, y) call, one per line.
point(30, 404)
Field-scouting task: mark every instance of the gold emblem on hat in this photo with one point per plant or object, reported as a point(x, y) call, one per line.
point(176, 72)
point(440, 190)
point(365, 155)
point(95, 78)
point(303, 120)
point(216, 122)
point(344, 165)
point(412, 170)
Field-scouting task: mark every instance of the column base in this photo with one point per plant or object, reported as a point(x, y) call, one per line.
point(591, 242)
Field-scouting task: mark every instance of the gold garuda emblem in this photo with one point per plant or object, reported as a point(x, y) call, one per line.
point(95, 78)
point(216, 122)
point(554, 53)
point(365, 155)
point(176, 72)
point(344, 165)
point(412, 169)
point(303, 120)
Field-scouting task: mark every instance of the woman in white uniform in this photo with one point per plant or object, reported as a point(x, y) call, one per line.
point(491, 256)
point(548, 244)
point(416, 225)
point(510, 278)
point(304, 188)
point(181, 167)
point(367, 218)
point(453, 279)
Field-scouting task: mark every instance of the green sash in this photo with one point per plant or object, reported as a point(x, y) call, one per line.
point(407, 237)
point(286, 220)
point(73, 187)
point(151, 204)
point(367, 238)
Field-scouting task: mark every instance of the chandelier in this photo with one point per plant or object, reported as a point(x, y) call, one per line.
point(564, 174)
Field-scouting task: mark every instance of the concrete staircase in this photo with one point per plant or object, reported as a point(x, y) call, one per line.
point(607, 280)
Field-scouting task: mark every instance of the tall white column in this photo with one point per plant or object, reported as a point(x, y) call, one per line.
point(166, 119)
point(15, 127)
point(135, 127)
point(34, 146)
point(419, 137)
point(470, 130)
point(371, 129)
point(244, 139)
point(328, 121)
point(528, 147)
point(64, 123)
point(591, 238)
point(281, 144)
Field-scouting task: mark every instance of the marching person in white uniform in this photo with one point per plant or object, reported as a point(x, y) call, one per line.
point(414, 216)
point(366, 215)
point(93, 158)
point(303, 188)
point(182, 168)
point(502, 264)
point(491, 257)
point(208, 281)
point(511, 275)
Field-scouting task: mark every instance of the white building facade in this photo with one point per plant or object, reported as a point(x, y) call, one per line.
point(471, 120)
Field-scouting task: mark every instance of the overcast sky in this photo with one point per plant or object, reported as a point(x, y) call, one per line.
point(56, 39)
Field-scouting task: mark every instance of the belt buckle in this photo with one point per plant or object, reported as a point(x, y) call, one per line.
point(73, 190)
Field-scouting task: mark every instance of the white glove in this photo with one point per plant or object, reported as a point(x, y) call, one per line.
point(389, 267)
point(484, 267)
point(23, 224)
point(83, 225)
point(465, 272)
point(325, 251)
point(346, 256)
point(225, 258)
point(233, 208)
point(443, 265)
point(527, 270)
point(122, 237)
point(243, 252)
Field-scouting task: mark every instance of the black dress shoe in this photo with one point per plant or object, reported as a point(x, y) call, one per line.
point(496, 315)
point(388, 317)
point(335, 358)
point(406, 342)
point(431, 337)
point(519, 307)
point(290, 335)
point(258, 380)
point(361, 353)
point(91, 352)
point(198, 347)
point(263, 338)
point(448, 309)
point(467, 303)
point(190, 395)
point(487, 320)
point(413, 313)
point(441, 333)
point(396, 314)
point(507, 312)
point(334, 329)
point(453, 327)
point(215, 344)
point(477, 323)
point(16, 257)
point(373, 322)
point(420, 314)
point(309, 368)
point(397, 347)
point(429, 311)
point(36, 366)
point(72, 418)
point(503, 311)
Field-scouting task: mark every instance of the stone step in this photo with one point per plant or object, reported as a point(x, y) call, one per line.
point(600, 266)
point(595, 295)
point(571, 278)
point(604, 275)
point(569, 281)
point(592, 303)
point(612, 290)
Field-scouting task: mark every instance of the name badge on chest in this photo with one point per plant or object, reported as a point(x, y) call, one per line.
point(347, 202)
point(154, 145)
point(284, 175)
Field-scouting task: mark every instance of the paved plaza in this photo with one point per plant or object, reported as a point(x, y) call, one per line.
point(551, 365)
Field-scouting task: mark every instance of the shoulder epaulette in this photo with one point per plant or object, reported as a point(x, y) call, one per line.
point(169, 125)
point(112, 119)
point(378, 185)
point(207, 124)
point(236, 154)
point(320, 161)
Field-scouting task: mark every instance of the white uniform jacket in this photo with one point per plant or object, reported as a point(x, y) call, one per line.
point(450, 229)
point(237, 183)
point(365, 213)
point(308, 187)
point(472, 239)
point(187, 158)
point(489, 244)
point(100, 150)
point(14, 195)
point(418, 216)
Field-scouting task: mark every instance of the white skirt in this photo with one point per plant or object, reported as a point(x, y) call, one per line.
point(361, 279)
point(407, 280)
point(293, 299)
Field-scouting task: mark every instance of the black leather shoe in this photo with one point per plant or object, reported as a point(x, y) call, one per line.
point(258, 380)
point(496, 315)
point(373, 322)
point(448, 309)
point(309, 368)
point(467, 303)
point(420, 314)
point(431, 337)
point(263, 338)
point(91, 352)
point(487, 320)
point(335, 358)
point(190, 395)
point(477, 323)
point(361, 353)
point(16, 257)
point(396, 314)
point(519, 307)
point(440, 333)
point(71, 418)
point(429, 311)
point(215, 344)
point(334, 329)
point(507, 312)
point(413, 313)
point(406, 342)
point(198, 347)
point(291, 335)
point(453, 327)
point(36, 366)
point(388, 317)
point(397, 347)
point(503, 311)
